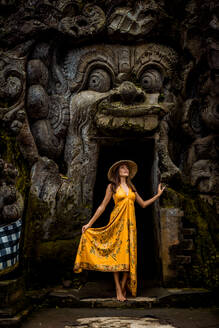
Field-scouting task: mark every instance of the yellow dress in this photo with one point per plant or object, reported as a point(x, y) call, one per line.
point(113, 247)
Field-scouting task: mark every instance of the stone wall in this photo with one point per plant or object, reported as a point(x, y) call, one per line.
point(75, 72)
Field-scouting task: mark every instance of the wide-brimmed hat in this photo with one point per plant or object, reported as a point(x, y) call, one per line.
point(133, 168)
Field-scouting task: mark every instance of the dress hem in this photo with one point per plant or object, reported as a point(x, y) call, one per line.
point(104, 268)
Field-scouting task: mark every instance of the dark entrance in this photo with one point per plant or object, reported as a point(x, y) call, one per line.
point(142, 152)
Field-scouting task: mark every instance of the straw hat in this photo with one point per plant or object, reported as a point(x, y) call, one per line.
point(133, 168)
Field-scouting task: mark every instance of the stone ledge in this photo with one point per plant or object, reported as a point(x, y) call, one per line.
point(11, 291)
point(69, 298)
point(189, 232)
point(138, 302)
point(172, 297)
point(14, 321)
point(187, 297)
point(7, 312)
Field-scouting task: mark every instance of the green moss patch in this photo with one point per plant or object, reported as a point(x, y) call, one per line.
point(10, 152)
point(52, 262)
point(202, 272)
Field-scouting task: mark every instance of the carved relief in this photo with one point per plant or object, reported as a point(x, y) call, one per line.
point(200, 119)
point(35, 17)
point(48, 115)
point(12, 91)
point(91, 21)
point(117, 90)
point(139, 20)
point(98, 90)
point(11, 209)
point(73, 76)
point(12, 103)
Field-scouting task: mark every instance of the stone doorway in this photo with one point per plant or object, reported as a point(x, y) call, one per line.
point(142, 151)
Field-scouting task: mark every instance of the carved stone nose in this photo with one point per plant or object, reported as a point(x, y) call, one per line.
point(128, 92)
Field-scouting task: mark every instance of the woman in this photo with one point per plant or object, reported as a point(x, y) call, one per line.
point(113, 248)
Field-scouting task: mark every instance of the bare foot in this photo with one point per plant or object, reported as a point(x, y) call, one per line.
point(119, 295)
point(123, 290)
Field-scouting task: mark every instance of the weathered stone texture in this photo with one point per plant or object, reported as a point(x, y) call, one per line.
point(72, 74)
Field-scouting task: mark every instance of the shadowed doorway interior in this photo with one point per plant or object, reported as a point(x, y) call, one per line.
point(142, 152)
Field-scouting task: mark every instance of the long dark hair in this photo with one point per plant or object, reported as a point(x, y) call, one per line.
point(115, 181)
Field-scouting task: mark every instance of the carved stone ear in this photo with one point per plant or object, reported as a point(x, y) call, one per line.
point(37, 73)
point(204, 175)
point(37, 102)
point(47, 143)
point(191, 119)
point(210, 113)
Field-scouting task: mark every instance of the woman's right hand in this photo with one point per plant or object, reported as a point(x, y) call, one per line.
point(85, 227)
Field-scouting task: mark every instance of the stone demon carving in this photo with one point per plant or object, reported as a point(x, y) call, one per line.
point(72, 74)
point(94, 91)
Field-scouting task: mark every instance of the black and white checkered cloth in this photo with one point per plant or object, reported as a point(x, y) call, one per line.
point(9, 244)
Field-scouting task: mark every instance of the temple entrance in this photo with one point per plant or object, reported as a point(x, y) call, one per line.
point(142, 151)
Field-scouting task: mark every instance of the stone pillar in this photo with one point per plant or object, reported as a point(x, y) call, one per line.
point(171, 226)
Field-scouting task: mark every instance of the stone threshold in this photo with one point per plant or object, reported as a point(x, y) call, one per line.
point(63, 297)
point(7, 320)
point(169, 298)
point(138, 302)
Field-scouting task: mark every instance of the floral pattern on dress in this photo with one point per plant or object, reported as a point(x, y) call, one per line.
point(112, 248)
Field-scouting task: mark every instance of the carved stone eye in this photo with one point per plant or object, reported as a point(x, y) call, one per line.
point(151, 80)
point(14, 86)
point(99, 80)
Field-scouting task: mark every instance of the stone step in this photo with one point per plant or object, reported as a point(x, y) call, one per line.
point(188, 297)
point(187, 244)
point(169, 297)
point(188, 232)
point(14, 321)
point(184, 245)
point(7, 312)
point(12, 302)
point(166, 297)
point(11, 291)
point(182, 259)
point(138, 302)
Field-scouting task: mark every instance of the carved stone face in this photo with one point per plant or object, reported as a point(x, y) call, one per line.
point(77, 95)
point(67, 97)
point(131, 86)
point(99, 90)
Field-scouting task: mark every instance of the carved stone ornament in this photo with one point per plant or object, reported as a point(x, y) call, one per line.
point(78, 78)
point(11, 210)
point(12, 91)
point(139, 20)
point(91, 21)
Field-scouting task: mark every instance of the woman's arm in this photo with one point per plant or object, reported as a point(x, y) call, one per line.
point(145, 203)
point(100, 209)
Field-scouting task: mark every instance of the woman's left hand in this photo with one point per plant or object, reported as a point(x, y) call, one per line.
point(160, 189)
